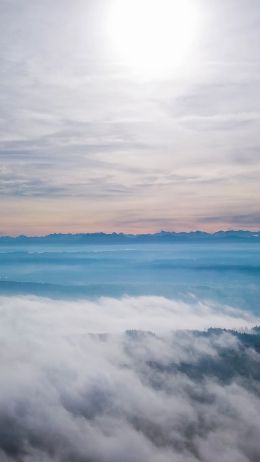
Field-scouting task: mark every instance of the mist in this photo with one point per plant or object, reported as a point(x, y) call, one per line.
point(113, 379)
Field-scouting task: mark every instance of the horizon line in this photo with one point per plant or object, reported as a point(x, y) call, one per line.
point(121, 233)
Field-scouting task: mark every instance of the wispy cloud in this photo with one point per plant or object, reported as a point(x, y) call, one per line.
point(75, 123)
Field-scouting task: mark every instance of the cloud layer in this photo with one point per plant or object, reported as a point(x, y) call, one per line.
point(85, 144)
point(70, 393)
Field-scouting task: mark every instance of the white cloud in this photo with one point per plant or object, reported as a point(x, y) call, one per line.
point(116, 315)
point(70, 395)
point(73, 123)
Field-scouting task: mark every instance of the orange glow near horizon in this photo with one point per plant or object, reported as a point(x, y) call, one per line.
point(38, 218)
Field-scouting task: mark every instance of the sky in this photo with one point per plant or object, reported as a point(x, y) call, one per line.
point(104, 127)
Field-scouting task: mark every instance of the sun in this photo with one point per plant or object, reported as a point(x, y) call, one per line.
point(153, 37)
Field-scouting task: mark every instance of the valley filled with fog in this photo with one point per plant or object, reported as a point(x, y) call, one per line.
point(227, 273)
point(134, 353)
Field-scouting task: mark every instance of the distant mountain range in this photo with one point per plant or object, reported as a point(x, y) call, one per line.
point(121, 238)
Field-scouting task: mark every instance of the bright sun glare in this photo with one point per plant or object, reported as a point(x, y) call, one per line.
point(154, 37)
